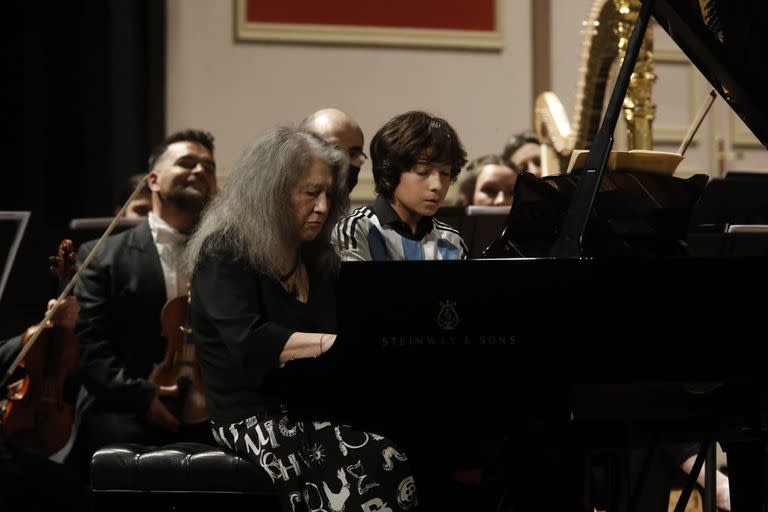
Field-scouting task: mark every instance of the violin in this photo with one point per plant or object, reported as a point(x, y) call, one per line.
point(38, 417)
point(179, 365)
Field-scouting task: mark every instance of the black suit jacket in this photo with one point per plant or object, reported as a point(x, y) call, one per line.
point(9, 349)
point(121, 295)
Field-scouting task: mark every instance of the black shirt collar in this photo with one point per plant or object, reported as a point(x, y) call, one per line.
point(388, 216)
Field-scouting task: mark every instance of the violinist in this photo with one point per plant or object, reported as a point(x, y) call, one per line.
point(122, 293)
point(24, 474)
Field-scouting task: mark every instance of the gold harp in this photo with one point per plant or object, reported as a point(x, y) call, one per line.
point(606, 34)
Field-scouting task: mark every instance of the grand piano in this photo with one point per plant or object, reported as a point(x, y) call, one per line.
point(614, 311)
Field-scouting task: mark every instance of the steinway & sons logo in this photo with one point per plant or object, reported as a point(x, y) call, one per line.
point(447, 321)
point(447, 318)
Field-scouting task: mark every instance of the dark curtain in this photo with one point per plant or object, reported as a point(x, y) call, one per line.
point(92, 105)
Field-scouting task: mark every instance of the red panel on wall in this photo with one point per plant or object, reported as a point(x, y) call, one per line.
point(425, 14)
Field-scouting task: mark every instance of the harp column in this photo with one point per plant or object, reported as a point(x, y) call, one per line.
point(639, 108)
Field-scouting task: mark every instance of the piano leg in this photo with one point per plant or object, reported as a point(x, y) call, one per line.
point(632, 480)
point(646, 466)
point(543, 469)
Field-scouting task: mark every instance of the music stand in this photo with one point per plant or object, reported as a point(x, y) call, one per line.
point(731, 218)
point(90, 228)
point(484, 225)
point(477, 225)
point(12, 228)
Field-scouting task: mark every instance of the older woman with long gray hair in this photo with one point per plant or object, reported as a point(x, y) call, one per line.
point(263, 274)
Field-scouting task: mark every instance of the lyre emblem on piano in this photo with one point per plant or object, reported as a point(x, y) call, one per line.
point(447, 318)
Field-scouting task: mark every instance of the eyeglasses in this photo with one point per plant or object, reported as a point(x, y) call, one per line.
point(355, 154)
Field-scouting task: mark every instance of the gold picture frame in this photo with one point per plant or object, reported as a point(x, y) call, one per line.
point(337, 34)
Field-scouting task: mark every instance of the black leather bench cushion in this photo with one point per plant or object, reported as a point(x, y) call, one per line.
point(180, 467)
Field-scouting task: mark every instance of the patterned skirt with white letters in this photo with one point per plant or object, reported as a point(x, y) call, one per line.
point(321, 466)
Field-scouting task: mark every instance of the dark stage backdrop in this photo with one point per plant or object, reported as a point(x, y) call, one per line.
point(92, 104)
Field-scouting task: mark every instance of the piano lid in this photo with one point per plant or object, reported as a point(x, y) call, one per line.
point(725, 40)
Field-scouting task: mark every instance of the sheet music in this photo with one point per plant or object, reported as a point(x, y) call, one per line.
point(11, 242)
point(748, 228)
point(474, 210)
point(101, 223)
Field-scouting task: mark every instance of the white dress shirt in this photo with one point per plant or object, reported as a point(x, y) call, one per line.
point(170, 246)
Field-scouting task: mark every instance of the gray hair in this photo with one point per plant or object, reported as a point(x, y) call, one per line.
point(251, 215)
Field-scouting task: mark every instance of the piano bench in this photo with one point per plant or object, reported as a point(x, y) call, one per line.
point(176, 477)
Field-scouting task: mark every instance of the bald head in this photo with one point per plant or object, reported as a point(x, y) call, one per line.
point(339, 128)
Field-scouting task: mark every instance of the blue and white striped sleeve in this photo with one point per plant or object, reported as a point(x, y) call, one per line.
point(350, 237)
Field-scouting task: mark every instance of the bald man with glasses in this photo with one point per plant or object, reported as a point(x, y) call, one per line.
point(339, 128)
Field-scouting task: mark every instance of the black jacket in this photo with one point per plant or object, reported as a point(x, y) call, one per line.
point(9, 349)
point(241, 320)
point(121, 295)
